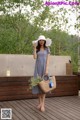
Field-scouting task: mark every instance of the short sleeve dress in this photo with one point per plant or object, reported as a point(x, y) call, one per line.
point(40, 67)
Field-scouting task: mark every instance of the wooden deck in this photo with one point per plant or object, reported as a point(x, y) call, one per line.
point(57, 108)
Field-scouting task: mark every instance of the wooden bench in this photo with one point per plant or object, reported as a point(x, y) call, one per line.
point(78, 74)
point(14, 88)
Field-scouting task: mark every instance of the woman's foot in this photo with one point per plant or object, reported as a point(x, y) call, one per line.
point(39, 106)
point(42, 109)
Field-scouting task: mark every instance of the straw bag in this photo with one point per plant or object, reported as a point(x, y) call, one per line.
point(48, 84)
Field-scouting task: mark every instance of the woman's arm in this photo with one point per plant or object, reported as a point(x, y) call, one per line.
point(34, 52)
point(47, 63)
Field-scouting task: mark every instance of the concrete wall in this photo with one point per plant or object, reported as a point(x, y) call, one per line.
point(23, 65)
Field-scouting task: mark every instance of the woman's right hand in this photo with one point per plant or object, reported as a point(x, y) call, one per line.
point(34, 45)
point(34, 48)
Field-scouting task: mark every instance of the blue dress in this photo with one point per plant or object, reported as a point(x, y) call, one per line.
point(40, 67)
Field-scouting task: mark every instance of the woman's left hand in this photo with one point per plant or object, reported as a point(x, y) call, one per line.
point(46, 72)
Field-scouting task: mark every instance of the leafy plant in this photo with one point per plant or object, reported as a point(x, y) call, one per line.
point(35, 81)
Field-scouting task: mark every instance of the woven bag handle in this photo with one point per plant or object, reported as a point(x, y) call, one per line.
point(45, 77)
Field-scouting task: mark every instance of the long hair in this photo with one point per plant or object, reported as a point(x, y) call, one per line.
point(38, 46)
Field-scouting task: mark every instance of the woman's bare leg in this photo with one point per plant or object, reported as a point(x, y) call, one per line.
point(40, 101)
point(43, 102)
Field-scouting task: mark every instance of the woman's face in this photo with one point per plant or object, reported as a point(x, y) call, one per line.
point(41, 42)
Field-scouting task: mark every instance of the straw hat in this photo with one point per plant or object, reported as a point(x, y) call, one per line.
point(42, 37)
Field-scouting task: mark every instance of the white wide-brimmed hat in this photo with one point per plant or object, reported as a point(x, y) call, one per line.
point(42, 37)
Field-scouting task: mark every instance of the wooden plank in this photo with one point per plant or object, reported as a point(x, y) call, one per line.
point(32, 109)
point(15, 88)
point(24, 112)
point(71, 101)
point(79, 82)
point(54, 111)
point(6, 105)
point(45, 115)
point(70, 107)
point(68, 69)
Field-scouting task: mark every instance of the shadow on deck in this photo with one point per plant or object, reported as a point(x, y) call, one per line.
point(57, 108)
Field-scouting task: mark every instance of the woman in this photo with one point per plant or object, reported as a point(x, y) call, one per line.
point(41, 53)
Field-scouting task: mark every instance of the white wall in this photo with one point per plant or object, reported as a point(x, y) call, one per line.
point(23, 65)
